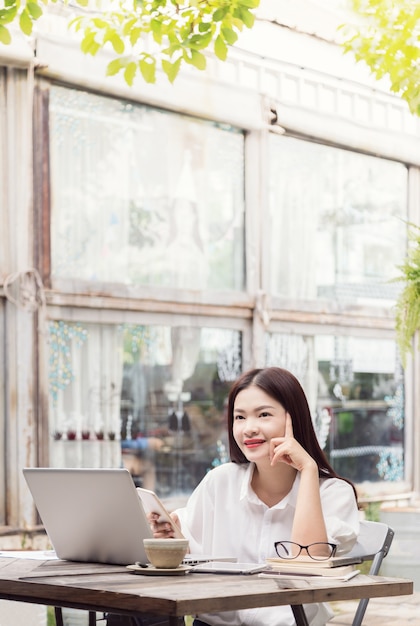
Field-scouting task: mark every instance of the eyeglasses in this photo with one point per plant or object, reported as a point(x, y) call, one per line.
point(318, 551)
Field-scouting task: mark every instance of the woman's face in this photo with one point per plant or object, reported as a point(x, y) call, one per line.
point(257, 418)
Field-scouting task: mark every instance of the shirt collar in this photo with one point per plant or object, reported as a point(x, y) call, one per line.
point(248, 493)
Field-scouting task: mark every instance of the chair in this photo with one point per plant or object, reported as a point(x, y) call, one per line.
point(373, 544)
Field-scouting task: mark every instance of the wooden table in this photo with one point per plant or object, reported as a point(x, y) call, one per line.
point(114, 589)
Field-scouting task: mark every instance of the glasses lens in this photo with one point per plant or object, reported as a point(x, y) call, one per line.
point(321, 551)
point(287, 549)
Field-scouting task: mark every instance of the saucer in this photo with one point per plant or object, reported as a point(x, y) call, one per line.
point(151, 570)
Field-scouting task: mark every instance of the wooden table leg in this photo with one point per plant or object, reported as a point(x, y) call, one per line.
point(299, 613)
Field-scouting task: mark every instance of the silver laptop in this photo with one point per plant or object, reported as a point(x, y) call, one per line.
point(91, 515)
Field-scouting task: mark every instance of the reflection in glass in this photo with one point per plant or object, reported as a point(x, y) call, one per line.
point(152, 398)
point(337, 222)
point(358, 404)
point(142, 196)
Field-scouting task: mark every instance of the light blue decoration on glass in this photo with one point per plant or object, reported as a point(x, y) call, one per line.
point(390, 465)
point(61, 336)
point(396, 409)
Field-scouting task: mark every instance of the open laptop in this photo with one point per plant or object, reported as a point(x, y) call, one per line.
point(91, 515)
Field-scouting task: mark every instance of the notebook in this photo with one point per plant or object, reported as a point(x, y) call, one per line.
point(90, 515)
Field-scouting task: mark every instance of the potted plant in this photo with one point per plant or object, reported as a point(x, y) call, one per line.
point(407, 319)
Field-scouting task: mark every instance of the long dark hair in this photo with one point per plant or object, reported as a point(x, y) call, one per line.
point(284, 387)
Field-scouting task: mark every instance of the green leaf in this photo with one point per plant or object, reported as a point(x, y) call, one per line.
point(116, 42)
point(171, 50)
point(130, 72)
point(219, 14)
point(89, 45)
point(5, 35)
point(34, 10)
point(203, 27)
point(25, 22)
point(148, 70)
point(128, 25)
point(245, 16)
point(99, 23)
point(134, 35)
point(114, 67)
point(199, 42)
point(198, 60)
point(171, 69)
point(251, 4)
point(156, 27)
point(82, 3)
point(8, 15)
point(229, 35)
point(220, 48)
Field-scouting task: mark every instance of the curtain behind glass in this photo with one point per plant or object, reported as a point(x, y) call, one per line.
point(337, 222)
point(142, 196)
point(151, 398)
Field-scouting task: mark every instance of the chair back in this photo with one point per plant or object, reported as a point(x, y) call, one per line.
point(374, 538)
point(373, 544)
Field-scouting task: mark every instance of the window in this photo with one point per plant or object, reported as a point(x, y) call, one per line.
point(144, 197)
point(355, 390)
point(150, 397)
point(337, 223)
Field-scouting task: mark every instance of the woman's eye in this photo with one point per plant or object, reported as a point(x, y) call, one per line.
point(265, 414)
point(238, 417)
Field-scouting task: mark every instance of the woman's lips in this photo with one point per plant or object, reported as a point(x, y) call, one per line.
point(253, 443)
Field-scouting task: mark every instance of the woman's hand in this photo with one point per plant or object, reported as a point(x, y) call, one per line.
point(287, 450)
point(161, 529)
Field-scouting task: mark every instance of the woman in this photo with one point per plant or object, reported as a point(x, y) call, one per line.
point(279, 486)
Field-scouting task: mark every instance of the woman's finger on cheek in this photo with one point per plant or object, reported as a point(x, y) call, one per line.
point(276, 453)
point(271, 450)
point(274, 444)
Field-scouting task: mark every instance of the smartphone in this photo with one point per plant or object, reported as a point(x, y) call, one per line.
point(152, 504)
point(224, 567)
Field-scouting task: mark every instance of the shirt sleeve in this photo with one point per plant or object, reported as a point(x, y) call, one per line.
point(341, 514)
point(196, 518)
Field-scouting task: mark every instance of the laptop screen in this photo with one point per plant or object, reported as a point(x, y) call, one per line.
point(91, 515)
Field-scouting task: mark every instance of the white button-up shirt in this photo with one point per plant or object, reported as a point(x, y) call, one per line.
point(224, 517)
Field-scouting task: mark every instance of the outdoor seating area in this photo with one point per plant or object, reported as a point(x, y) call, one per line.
point(209, 270)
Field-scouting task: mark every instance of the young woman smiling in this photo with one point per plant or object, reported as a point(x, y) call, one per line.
point(278, 486)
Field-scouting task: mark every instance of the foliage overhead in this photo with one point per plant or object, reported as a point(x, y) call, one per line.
point(388, 41)
point(408, 303)
point(145, 34)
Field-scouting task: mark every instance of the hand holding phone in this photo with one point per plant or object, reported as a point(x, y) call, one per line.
point(152, 504)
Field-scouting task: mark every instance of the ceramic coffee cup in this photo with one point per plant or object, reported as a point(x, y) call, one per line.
point(165, 553)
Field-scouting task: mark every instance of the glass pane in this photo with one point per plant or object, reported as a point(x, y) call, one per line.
point(149, 397)
point(143, 196)
point(355, 389)
point(337, 222)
